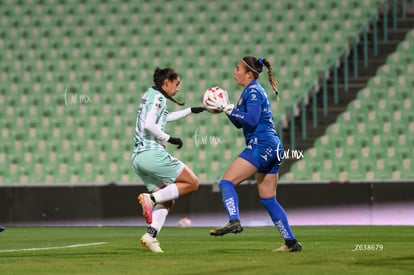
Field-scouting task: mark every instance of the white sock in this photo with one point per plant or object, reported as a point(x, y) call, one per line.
point(169, 193)
point(159, 214)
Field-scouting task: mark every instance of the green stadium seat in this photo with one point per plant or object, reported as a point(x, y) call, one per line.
point(107, 50)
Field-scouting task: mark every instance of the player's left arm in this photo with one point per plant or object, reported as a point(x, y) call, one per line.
point(183, 113)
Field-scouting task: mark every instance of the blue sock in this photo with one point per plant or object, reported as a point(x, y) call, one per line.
point(230, 199)
point(279, 218)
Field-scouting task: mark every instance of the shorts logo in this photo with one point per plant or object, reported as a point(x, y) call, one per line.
point(251, 142)
point(268, 153)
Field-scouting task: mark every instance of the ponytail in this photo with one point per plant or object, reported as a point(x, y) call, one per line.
point(256, 67)
point(272, 80)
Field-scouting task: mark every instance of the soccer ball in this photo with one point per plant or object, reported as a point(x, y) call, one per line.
point(217, 93)
point(184, 222)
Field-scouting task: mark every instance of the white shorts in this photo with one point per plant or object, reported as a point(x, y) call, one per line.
point(156, 168)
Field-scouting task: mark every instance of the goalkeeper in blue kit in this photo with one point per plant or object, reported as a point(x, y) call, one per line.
point(261, 157)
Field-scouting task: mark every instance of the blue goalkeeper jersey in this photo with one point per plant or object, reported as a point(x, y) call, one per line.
point(253, 114)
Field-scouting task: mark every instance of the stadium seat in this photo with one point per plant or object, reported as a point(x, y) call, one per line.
point(376, 130)
point(109, 51)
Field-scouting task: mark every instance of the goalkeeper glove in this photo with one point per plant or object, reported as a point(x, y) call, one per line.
point(214, 103)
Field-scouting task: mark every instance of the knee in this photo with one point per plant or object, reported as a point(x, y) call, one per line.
point(191, 183)
point(188, 178)
point(194, 183)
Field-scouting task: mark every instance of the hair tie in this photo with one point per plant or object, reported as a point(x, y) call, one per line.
point(260, 60)
point(248, 66)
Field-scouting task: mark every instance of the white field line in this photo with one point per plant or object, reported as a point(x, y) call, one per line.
point(51, 248)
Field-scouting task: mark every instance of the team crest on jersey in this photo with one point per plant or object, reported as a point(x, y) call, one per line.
point(159, 103)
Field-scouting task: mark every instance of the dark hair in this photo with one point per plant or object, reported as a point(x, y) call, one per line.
point(255, 65)
point(158, 78)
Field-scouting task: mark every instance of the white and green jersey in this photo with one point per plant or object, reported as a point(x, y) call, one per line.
point(150, 123)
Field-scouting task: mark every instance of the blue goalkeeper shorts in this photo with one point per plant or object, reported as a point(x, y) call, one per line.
point(267, 158)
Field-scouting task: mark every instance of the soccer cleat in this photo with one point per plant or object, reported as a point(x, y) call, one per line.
point(147, 204)
point(151, 243)
point(297, 247)
point(232, 226)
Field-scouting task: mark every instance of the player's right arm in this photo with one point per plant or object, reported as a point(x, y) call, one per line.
point(249, 117)
point(151, 125)
point(151, 112)
point(235, 123)
point(156, 117)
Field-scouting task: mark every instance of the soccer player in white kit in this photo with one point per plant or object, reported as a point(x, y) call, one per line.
point(165, 177)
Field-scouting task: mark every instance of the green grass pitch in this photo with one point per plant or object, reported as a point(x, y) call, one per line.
point(115, 250)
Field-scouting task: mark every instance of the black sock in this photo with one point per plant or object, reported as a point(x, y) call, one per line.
point(152, 231)
point(290, 243)
point(152, 198)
